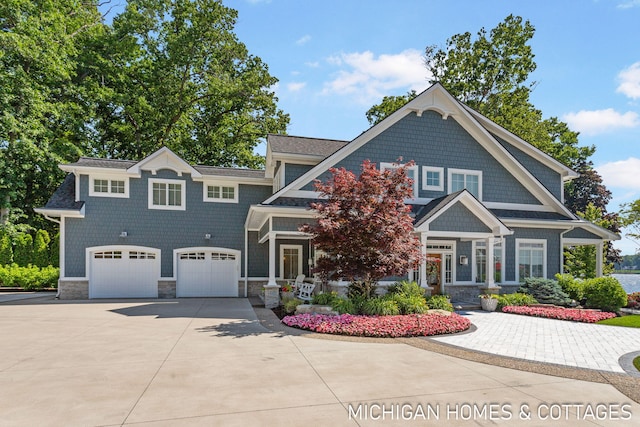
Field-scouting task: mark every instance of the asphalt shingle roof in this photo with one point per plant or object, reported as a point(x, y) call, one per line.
point(306, 146)
point(65, 196)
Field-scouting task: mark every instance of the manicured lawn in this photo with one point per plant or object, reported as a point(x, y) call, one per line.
point(632, 321)
point(636, 363)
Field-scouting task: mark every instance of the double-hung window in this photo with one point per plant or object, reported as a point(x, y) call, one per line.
point(459, 179)
point(220, 192)
point(100, 186)
point(167, 194)
point(412, 172)
point(432, 178)
point(531, 258)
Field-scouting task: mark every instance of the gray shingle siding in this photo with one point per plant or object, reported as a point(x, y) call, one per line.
point(105, 218)
point(293, 171)
point(458, 218)
point(547, 176)
point(581, 233)
point(431, 141)
point(287, 224)
point(553, 249)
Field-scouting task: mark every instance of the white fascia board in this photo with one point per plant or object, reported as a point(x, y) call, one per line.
point(566, 172)
point(518, 207)
point(300, 159)
point(261, 213)
point(563, 225)
point(596, 229)
point(234, 180)
point(153, 162)
point(91, 170)
point(59, 213)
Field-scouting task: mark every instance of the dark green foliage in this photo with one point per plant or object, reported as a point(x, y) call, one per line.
point(344, 305)
point(23, 252)
point(571, 286)
point(380, 307)
point(406, 288)
point(324, 298)
point(54, 250)
point(6, 251)
point(361, 288)
point(545, 291)
point(41, 249)
point(289, 305)
point(439, 302)
point(515, 299)
point(605, 293)
point(409, 304)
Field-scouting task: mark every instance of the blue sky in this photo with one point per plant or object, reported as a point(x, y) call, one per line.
point(335, 59)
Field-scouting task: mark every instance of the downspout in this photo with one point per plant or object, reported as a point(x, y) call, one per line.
point(562, 248)
point(246, 262)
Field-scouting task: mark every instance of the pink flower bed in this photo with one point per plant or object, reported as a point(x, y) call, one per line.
point(577, 315)
point(380, 326)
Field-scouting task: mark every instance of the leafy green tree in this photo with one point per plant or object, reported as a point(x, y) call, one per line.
point(41, 249)
point(41, 123)
point(23, 251)
point(630, 218)
point(54, 250)
point(174, 74)
point(6, 250)
point(580, 261)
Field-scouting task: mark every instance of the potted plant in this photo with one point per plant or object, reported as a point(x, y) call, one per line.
point(489, 302)
point(286, 291)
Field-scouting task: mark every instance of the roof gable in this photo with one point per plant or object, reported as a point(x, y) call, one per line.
point(436, 98)
point(164, 158)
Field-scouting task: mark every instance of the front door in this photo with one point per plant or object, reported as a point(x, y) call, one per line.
point(434, 273)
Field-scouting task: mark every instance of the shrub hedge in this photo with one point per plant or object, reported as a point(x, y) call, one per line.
point(29, 277)
point(605, 293)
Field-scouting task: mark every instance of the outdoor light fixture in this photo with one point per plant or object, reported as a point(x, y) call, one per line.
point(207, 236)
point(464, 260)
point(124, 234)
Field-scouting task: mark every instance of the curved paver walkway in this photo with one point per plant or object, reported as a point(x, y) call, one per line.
point(574, 344)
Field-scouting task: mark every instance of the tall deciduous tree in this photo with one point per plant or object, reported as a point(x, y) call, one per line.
point(175, 74)
point(630, 218)
point(364, 227)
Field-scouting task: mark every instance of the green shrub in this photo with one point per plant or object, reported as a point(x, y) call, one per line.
point(358, 301)
point(409, 304)
point(289, 304)
point(572, 287)
point(29, 277)
point(54, 250)
point(324, 298)
point(23, 252)
point(41, 249)
point(344, 306)
point(605, 293)
point(545, 291)
point(361, 289)
point(515, 299)
point(380, 307)
point(406, 288)
point(6, 249)
point(439, 302)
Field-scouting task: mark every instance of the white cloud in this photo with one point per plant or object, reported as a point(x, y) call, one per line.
point(315, 64)
point(622, 174)
point(296, 86)
point(630, 81)
point(369, 78)
point(303, 40)
point(600, 121)
point(628, 4)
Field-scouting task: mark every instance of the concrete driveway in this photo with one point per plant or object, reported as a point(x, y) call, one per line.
point(210, 362)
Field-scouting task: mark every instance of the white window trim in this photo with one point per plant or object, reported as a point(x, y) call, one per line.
point(109, 178)
point(450, 173)
point(183, 194)
point(414, 168)
point(544, 256)
point(205, 191)
point(474, 267)
point(300, 255)
point(425, 186)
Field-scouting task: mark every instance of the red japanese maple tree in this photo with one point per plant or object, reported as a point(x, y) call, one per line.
point(364, 227)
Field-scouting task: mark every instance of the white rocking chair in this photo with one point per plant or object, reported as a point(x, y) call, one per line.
point(305, 291)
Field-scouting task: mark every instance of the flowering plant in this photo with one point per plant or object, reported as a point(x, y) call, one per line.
point(286, 288)
point(561, 313)
point(380, 326)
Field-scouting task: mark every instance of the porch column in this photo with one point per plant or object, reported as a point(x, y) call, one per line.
point(423, 264)
point(599, 256)
point(272, 260)
point(490, 279)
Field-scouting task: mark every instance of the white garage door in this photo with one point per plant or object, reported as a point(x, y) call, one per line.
point(207, 273)
point(124, 273)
